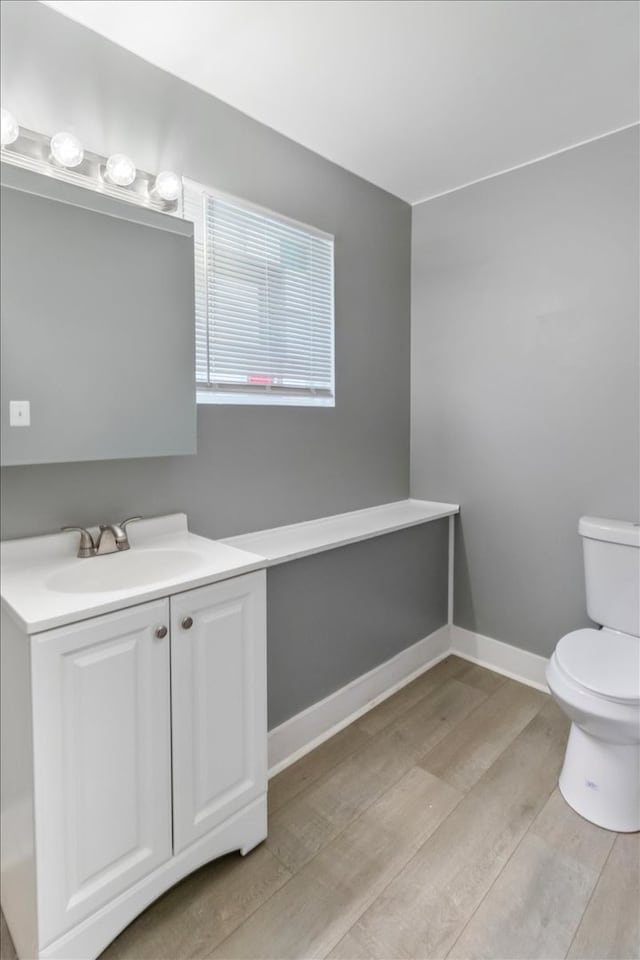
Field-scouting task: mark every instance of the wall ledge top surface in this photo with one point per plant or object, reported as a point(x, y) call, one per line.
point(296, 540)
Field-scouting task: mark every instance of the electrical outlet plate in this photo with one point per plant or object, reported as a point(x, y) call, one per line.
point(19, 413)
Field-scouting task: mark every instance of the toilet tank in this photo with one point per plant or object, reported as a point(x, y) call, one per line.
point(612, 572)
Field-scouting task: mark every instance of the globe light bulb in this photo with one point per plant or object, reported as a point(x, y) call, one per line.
point(168, 185)
point(66, 149)
point(120, 170)
point(10, 128)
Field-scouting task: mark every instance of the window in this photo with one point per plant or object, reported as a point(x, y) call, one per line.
point(264, 304)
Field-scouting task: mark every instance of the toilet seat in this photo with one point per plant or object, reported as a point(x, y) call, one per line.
point(603, 662)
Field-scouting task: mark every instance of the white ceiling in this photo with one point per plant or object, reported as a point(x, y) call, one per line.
point(417, 96)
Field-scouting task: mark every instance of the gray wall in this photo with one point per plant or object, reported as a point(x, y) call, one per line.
point(255, 467)
point(335, 615)
point(525, 405)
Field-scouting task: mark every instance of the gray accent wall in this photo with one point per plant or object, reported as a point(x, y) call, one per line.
point(256, 467)
point(334, 616)
point(525, 380)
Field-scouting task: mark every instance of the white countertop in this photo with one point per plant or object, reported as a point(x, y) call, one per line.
point(30, 566)
point(40, 574)
point(280, 544)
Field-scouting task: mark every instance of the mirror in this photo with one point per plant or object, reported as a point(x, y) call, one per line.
point(97, 326)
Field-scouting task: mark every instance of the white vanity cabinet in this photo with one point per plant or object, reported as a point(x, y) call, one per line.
point(102, 760)
point(134, 750)
point(219, 704)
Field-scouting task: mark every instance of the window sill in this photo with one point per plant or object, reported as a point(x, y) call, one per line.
point(261, 400)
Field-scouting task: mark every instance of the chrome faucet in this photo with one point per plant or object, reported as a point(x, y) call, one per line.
point(111, 538)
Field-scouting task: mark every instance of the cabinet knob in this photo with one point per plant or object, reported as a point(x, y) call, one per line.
point(187, 623)
point(161, 632)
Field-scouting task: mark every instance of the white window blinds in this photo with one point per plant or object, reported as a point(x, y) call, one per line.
point(264, 305)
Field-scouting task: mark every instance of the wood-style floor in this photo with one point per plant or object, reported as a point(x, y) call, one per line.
point(431, 827)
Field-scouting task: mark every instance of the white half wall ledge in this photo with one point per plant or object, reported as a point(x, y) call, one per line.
point(297, 540)
point(305, 731)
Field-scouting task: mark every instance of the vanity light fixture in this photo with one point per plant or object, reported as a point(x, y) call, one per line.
point(63, 156)
point(10, 128)
point(168, 186)
point(120, 170)
point(66, 149)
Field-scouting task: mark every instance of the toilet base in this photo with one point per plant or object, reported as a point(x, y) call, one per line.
point(601, 781)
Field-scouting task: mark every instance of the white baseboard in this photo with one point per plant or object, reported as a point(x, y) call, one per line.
point(308, 729)
point(501, 657)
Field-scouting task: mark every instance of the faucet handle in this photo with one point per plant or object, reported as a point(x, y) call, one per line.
point(87, 547)
point(124, 523)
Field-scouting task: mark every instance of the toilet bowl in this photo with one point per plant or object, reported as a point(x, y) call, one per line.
point(594, 675)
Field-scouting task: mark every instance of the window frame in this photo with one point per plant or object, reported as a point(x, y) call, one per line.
point(240, 395)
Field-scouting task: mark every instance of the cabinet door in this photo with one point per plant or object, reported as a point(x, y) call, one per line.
point(218, 683)
point(102, 748)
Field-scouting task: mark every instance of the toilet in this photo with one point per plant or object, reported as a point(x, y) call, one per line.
point(594, 674)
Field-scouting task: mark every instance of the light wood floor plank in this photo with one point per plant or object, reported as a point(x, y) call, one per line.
point(7, 949)
point(610, 928)
point(433, 717)
point(451, 668)
point(455, 668)
point(296, 778)
point(308, 822)
point(571, 835)
point(197, 914)
point(355, 945)
point(463, 756)
point(535, 905)
point(480, 677)
point(318, 905)
point(297, 832)
point(532, 910)
point(424, 909)
point(390, 709)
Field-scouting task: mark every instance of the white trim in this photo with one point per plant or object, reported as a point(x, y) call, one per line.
point(296, 540)
point(308, 729)
point(521, 665)
point(211, 395)
point(450, 561)
point(527, 163)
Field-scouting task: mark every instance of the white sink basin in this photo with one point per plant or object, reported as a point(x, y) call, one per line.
point(45, 585)
point(123, 571)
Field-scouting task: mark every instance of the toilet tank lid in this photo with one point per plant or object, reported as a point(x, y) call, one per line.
point(613, 531)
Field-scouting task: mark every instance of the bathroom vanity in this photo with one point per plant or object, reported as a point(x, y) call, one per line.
point(134, 726)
